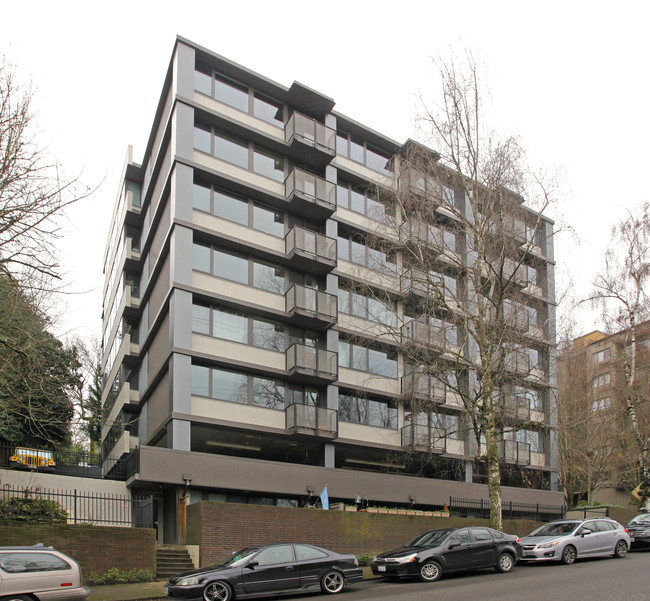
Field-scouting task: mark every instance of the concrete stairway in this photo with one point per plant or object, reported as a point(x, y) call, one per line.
point(172, 560)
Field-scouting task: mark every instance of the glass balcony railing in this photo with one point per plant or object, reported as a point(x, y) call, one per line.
point(423, 333)
point(424, 438)
point(308, 360)
point(308, 188)
point(516, 407)
point(307, 419)
point(424, 386)
point(512, 451)
point(311, 302)
point(308, 131)
point(312, 245)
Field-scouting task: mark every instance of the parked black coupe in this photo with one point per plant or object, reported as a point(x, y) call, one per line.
point(268, 570)
point(433, 553)
point(639, 529)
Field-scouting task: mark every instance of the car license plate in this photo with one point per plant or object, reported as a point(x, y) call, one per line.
point(631, 539)
point(166, 590)
point(381, 568)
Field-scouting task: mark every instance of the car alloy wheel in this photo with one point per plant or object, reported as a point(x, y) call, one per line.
point(332, 582)
point(569, 555)
point(505, 563)
point(621, 549)
point(217, 591)
point(430, 571)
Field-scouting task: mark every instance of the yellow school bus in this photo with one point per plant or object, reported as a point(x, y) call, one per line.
point(32, 458)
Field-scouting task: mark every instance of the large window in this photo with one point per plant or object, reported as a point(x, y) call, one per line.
point(362, 202)
point(244, 270)
point(239, 387)
point(222, 322)
point(362, 152)
point(602, 356)
point(360, 410)
point(239, 96)
point(367, 307)
point(238, 152)
point(355, 251)
point(533, 438)
point(239, 210)
point(374, 361)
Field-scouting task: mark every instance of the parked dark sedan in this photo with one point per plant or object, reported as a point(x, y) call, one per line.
point(268, 570)
point(639, 529)
point(433, 553)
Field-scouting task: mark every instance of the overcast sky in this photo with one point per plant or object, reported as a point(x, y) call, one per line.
point(569, 78)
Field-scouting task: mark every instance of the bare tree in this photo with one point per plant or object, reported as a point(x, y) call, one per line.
point(472, 328)
point(620, 290)
point(592, 452)
point(32, 190)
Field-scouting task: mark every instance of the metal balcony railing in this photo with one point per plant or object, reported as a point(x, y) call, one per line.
point(423, 333)
point(316, 421)
point(308, 360)
point(512, 451)
point(308, 131)
point(424, 438)
point(423, 386)
point(310, 189)
point(311, 245)
point(311, 303)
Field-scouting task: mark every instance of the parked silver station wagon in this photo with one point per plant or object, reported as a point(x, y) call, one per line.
point(40, 572)
point(568, 540)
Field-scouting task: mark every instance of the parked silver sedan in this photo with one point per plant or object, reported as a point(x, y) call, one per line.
point(568, 540)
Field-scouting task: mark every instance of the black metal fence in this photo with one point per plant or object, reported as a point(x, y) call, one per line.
point(36, 504)
point(68, 463)
point(480, 508)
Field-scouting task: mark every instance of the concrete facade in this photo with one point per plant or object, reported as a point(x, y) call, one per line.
point(225, 320)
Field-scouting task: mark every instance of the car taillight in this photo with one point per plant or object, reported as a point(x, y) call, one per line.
point(518, 540)
point(626, 530)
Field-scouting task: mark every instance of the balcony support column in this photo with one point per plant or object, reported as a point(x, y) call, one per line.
point(469, 471)
point(328, 455)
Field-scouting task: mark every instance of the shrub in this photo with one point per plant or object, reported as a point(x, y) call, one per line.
point(365, 559)
point(33, 510)
point(117, 576)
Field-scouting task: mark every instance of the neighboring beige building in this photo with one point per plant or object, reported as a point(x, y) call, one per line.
point(591, 402)
point(239, 366)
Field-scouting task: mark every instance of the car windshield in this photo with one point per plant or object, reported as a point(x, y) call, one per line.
point(641, 519)
point(555, 529)
point(429, 539)
point(238, 558)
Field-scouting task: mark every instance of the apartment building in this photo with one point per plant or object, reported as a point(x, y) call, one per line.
point(600, 461)
point(248, 306)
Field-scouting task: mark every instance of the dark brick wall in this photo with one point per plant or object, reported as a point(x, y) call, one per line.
point(96, 548)
point(221, 528)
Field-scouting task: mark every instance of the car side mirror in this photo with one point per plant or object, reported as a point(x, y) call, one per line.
point(251, 565)
point(585, 532)
point(453, 545)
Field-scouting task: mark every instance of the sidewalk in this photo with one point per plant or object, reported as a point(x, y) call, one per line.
point(148, 591)
point(141, 591)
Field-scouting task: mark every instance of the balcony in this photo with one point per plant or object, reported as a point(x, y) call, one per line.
point(310, 308)
point(515, 452)
point(309, 140)
point(425, 334)
point(423, 386)
point(310, 251)
point(311, 364)
point(424, 438)
point(515, 407)
point(310, 195)
point(515, 271)
point(312, 421)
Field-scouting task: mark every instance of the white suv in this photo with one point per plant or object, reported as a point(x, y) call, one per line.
point(40, 571)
